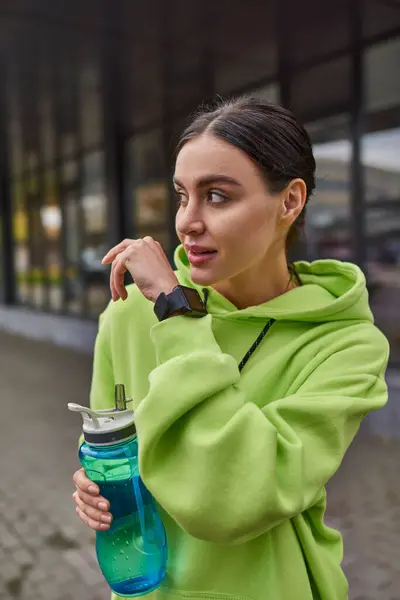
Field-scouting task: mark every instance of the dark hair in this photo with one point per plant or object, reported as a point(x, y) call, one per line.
point(270, 135)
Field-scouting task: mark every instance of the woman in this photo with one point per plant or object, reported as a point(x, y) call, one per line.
point(245, 413)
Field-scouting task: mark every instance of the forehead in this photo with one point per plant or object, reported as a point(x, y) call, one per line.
point(207, 154)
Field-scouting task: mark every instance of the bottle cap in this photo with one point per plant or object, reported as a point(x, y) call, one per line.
point(108, 426)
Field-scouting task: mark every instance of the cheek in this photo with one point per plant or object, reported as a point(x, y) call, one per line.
point(253, 226)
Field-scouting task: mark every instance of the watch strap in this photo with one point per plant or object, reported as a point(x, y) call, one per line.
point(183, 300)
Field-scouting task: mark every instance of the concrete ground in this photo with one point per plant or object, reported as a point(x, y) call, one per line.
point(46, 553)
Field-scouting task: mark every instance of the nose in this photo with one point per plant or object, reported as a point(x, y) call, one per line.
point(189, 220)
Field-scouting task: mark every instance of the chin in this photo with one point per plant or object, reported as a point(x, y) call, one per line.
point(202, 276)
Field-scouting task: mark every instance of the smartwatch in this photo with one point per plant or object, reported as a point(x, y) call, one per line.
point(183, 300)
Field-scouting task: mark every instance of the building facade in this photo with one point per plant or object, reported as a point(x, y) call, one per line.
point(95, 94)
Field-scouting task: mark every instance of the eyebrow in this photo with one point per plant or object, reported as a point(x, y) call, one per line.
point(209, 179)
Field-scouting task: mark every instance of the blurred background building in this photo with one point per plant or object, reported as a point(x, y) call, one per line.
point(95, 92)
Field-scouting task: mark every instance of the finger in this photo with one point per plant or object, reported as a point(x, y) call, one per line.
point(149, 240)
point(93, 513)
point(119, 277)
point(97, 502)
point(90, 522)
point(114, 294)
point(113, 253)
point(84, 483)
point(119, 271)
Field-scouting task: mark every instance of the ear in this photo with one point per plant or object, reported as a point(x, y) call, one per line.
point(294, 199)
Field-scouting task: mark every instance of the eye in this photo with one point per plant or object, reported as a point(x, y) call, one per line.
point(180, 198)
point(216, 197)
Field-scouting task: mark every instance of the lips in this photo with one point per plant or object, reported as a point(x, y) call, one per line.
point(199, 255)
point(199, 249)
point(202, 252)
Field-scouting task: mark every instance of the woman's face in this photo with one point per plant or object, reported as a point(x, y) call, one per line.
point(227, 219)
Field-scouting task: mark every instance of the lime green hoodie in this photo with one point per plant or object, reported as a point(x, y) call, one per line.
point(238, 461)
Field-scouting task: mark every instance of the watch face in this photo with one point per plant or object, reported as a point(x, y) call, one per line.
point(195, 302)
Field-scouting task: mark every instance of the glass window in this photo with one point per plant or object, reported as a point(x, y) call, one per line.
point(142, 101)
point(149, 186)
point(379, 16)
point(74, 290)
point(47, 130)
point(68, 144)
point(31, 160)
point(16, 147)
point(21, 240)
point(328, 213)
point(188, 73)
point(15, 131)
point(269, 92)
point(2, 282)
point(176, 128)
point(51, 218)
point(184, 16)
point(382, 80)
point(380, 157)
point(321, 89)
point(36, 240)
point(70, 197)
point(94, 275)
point(313, 33)
point(91, 115)
point(244, 37)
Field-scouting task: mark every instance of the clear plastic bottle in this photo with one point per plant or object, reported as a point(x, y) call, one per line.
point(132, 554)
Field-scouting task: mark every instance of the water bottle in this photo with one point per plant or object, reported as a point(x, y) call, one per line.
point(132, 554)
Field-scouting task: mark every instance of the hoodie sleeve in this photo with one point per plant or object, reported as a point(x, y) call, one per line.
point(223, 468)
point(103, 385)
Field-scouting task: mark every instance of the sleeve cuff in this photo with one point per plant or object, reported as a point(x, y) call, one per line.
point(179, 336)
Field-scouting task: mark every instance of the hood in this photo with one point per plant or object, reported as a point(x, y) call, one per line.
point(332, 291)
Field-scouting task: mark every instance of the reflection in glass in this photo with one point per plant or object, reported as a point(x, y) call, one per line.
point(146, 159)
point(47, 129)
point(91, 122)
point(36, 242)
point(148, 182)
point(94, 275)
point(73, 284)
point(20, 236)
point(328, 233)
point(380, 157)
point(51, 218)
point(15, 130)
point(151, 204)
point(269, 92)
point(382, 175)
point(382, 81)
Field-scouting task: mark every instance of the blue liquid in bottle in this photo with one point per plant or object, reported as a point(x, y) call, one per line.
point(132, 554)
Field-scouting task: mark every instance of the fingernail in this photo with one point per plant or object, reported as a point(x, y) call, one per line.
point(106, 519)
point(102, 506)
point(104, 526)
point(93, 489)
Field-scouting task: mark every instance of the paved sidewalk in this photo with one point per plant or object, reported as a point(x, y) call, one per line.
point(46, 553)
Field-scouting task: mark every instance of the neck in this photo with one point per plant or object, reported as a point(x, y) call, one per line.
point(257, 284)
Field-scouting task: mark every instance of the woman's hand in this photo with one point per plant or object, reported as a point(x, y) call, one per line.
point(146, 262)
point(90, 506)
